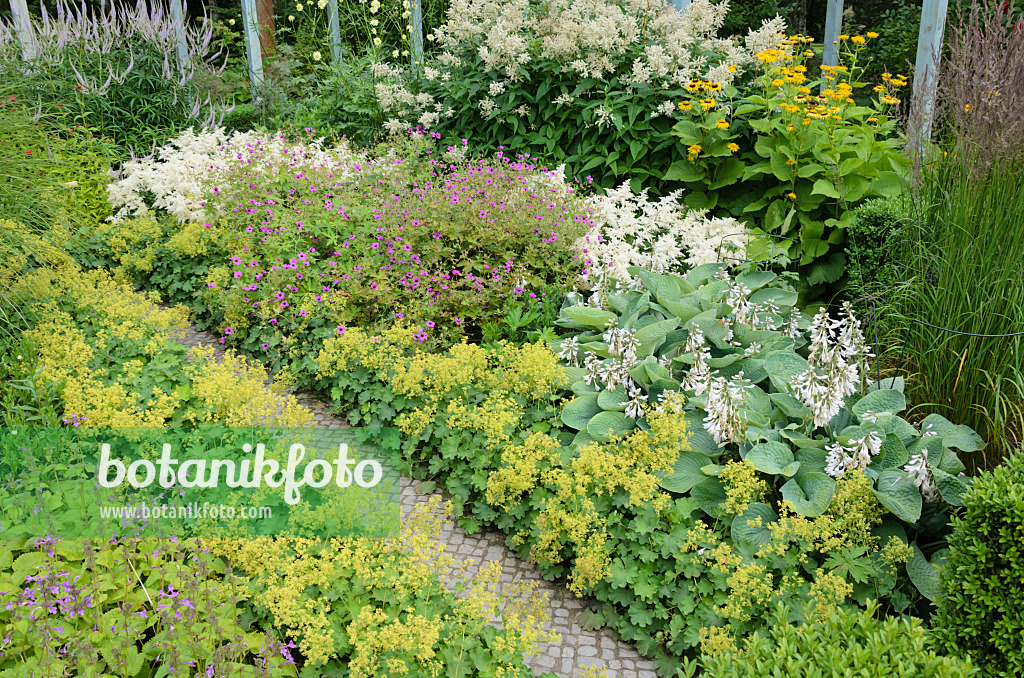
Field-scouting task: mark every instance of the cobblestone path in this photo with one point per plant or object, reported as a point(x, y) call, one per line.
point(579, 647)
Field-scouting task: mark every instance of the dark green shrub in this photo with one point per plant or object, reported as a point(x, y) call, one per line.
point(983, 580)
point(869, 241)
point(845, 644)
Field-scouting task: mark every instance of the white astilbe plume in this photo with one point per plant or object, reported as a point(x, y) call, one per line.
point(183, 173)
point(724, 401)
point(834, 368)
point(661, 236)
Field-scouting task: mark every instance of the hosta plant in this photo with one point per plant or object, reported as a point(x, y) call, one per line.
point(764, 383)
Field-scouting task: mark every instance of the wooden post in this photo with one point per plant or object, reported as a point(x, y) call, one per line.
point(833, 25)
point(23, 28)
point(253, 50)
point(181, 44)
point(929, 47)
point(681, 4)
point(334, 28)
point(265, 20)
point(416, 35)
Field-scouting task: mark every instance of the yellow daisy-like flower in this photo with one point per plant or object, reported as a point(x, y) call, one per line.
point(722, 124)
point(291, 17)
point(707, 104)
point(731, 69)
point(872, 35)
point(231, 22)
point(791, 196)
point(685, 105)
point(693, 151)
point(844, 37)
point(714, 86)
point(733, 147)
point(777, 82)
point(858, 40)
point(872, 119)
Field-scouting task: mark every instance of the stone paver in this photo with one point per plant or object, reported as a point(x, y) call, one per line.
point(578, 648)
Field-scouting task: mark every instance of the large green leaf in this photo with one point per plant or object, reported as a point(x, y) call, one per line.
point(591, 317)
point(811, 495)
point(950, 487)
point(746, 527)
point(650, 336)
point(924, 575)
point(790, 406)
point(686, 472)
point(699, 438)
point(613, 400)
point(882, 400)
point(953, 435)
point(811, 460)
point(894, 452)
point(580, 410)
point(709, 494)
point(782, 367)
point(898, 493)
point(774, 458)
point(610, 423)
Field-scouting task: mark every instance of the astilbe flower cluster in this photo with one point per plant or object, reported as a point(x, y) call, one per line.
point(640, 43)
point(662, 236)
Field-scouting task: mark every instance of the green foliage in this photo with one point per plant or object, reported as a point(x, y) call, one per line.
point(871, 240)
point(962, 256)
point(799, 163)
point(846, 643)
point(982, 583)
point(26, 398)
point(125, 607)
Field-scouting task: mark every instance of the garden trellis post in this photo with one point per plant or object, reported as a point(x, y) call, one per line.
point(416, 34)
point(181, 44)
point(929, 47)
point(681, 4)
point(23, 27)
point(833, 24)
point(334, 30)
point(253, 50)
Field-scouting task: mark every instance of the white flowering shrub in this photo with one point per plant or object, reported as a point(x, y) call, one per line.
point(762, 382)
point(198, 176)
point(590, 83)
point(661, 236)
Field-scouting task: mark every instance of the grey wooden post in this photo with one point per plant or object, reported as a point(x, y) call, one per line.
point(181, 44)
point(833, 24)
point(23, 28)
point(681, 4)
point(334, 30)
point(929, 47)
point(253, 51)
point(416, 35)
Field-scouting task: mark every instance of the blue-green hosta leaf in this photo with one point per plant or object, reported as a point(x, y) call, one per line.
point(574, 374)
point(699, 438)
point(774, 458)
point(709, 493)
point(613, 400)
point(699, 275)
point(882, 400)
point(683, 309)
point(924, 575)
point(894, 452)
point(931, 444)
point(757, 400)
point(896, 383)
point(755, 280)
point(609, 423)
point(811, 495)
point(784, 299)
point(661, 287)
point(580, 410)
point(751, 526)
point(590, 317)
point(898, 493)
point(654, 370)
point(949, 462)
point(582, 388)
point(950, 487)
point(716, 363)
point(582, 438)
point(902, 428)
point(811, 460)
point(782, 367)
point(953, 435)
point(799, 439)
point(790, 405)
point(686, 472)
